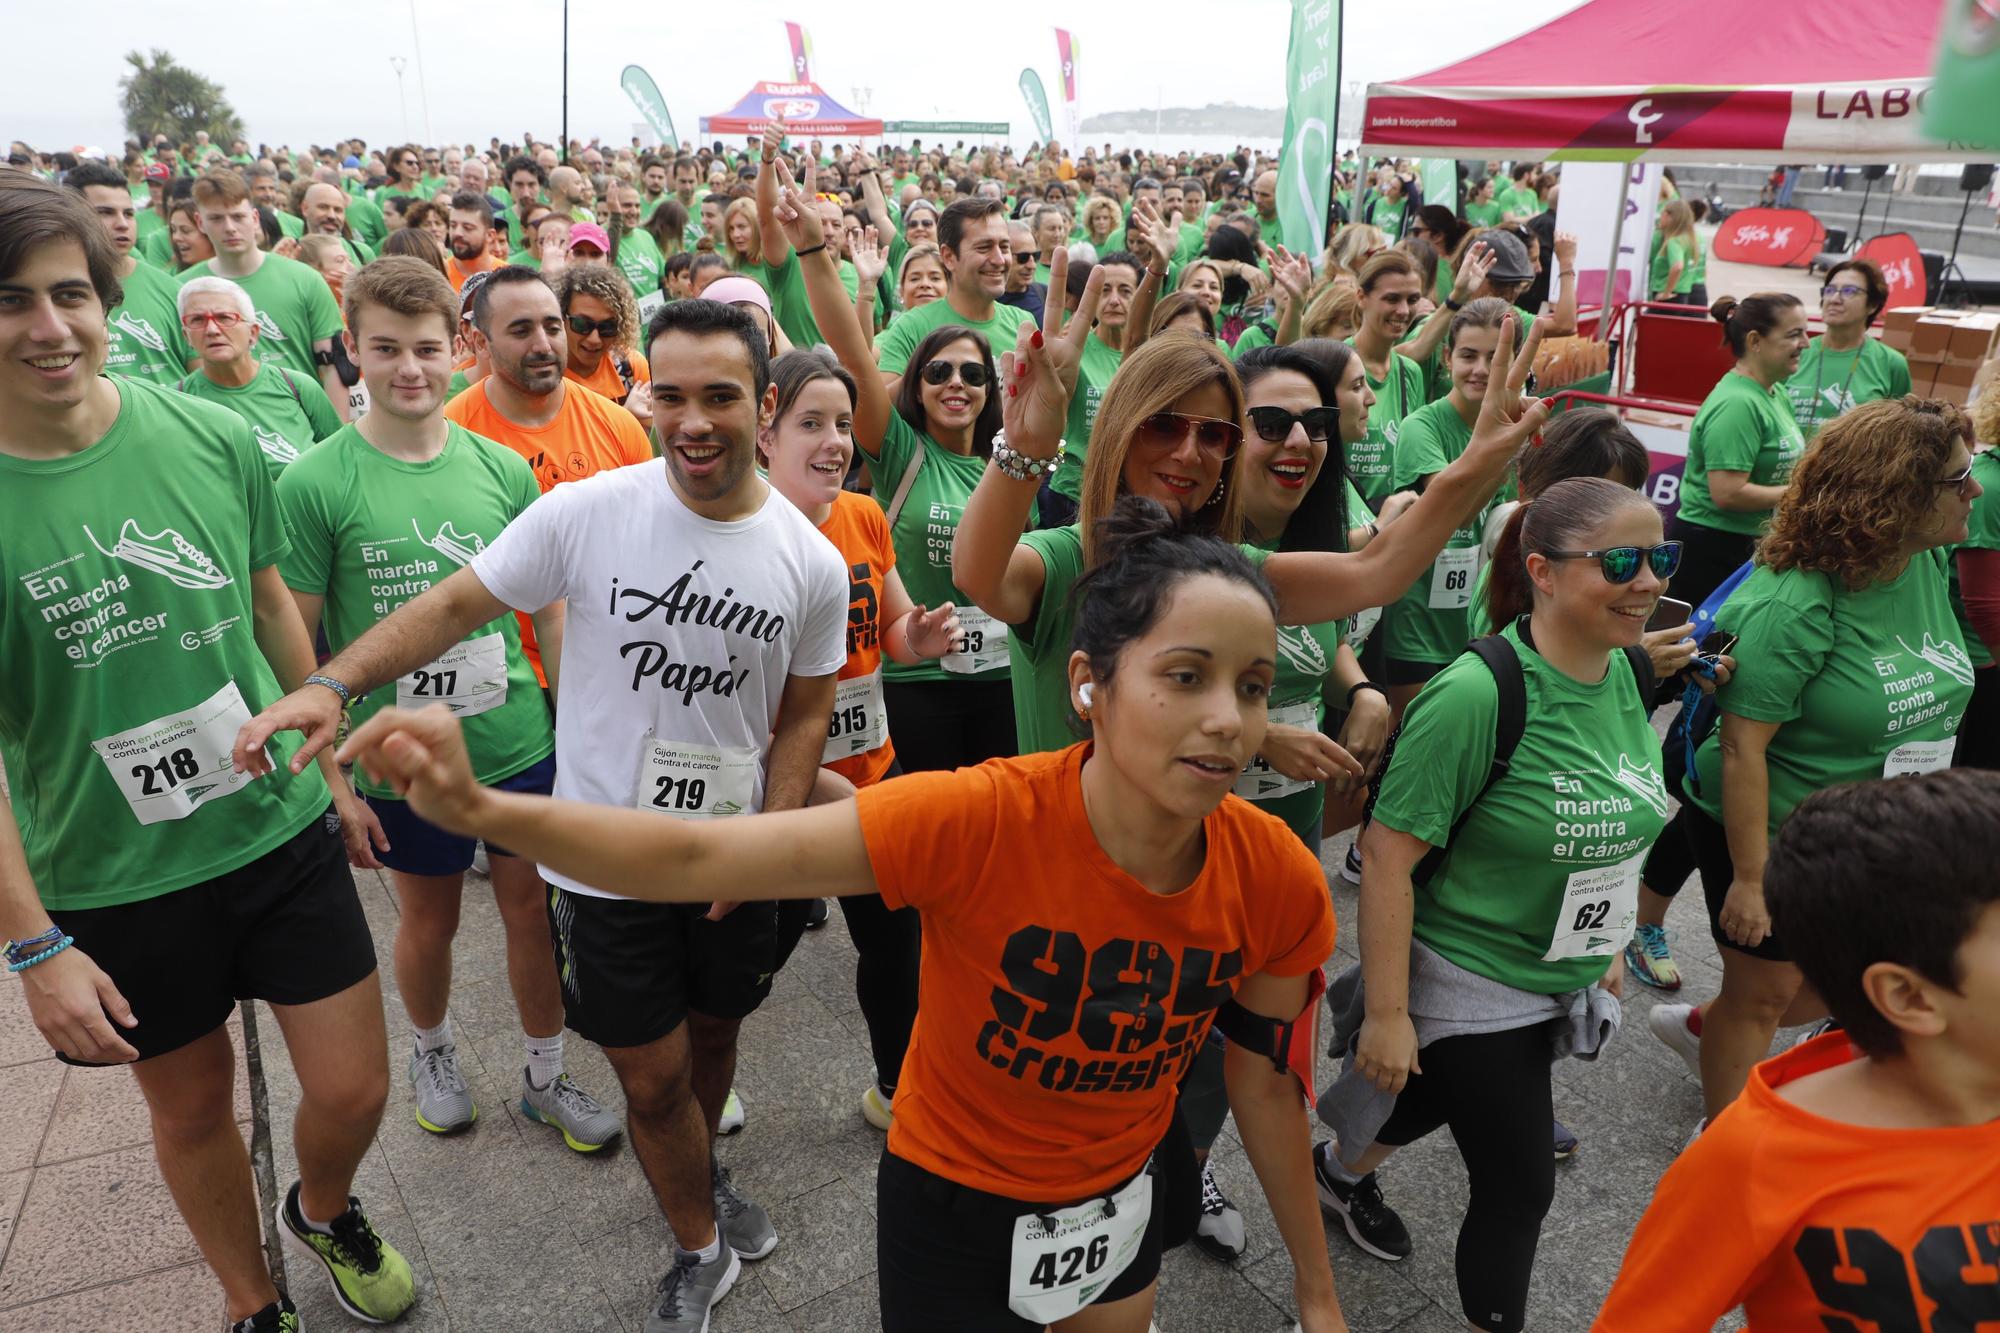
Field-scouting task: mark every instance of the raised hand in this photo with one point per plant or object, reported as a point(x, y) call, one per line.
point(774, 137)
point(796, 214)
point(1471, 276)
point(1566, 251)
point(1040, 373)
point(871, 259)
point(1292, 273)
point(1506, 418)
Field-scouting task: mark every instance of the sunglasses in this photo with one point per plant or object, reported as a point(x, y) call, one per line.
point(581, 325)
point(1274, 424)
point(1217, 438)
point(1959, 481)
point(1027, 256)
point(972, 374)
point(229, 319)
point(1846, 289)
point(1621, 563)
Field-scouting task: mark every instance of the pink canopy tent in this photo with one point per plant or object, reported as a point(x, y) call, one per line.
point(805, 108)
point(1691, 81)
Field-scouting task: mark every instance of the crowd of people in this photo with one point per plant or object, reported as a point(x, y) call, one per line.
point(1035, 557)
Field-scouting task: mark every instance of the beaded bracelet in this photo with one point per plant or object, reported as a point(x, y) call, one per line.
point(1021, 467)
point(42, 957)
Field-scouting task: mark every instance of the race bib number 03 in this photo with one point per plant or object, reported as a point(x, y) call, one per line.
point(1062, 1261)
point(1261, 782)
point(858, 723)
point(1598, 909)
point(470, 678)
point(985, 644)
point(1451, 578)
point(168, 767)
point(689, 780)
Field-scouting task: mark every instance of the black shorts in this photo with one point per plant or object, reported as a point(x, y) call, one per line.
point(419, 847)
point(1403, 671)
point(1711, 856)
point(941, 1253)
point(631, 971)
point(286, 928)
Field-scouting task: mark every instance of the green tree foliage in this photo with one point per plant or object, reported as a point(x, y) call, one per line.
point(161, 96)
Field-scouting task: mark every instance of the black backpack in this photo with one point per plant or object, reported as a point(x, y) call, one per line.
point(1512, 722)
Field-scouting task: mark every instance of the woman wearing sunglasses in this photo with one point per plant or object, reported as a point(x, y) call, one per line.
point(1170, 430)
point(1494, 901)
point(601, 318)
point(925, 451)
point(1844, 366)
point(1850, 666)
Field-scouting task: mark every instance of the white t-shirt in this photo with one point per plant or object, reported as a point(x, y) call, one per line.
point(679, 628)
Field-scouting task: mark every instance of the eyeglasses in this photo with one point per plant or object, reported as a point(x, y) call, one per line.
point(1846, 289)
point(1961, 481)
point(1274, 424)
point(1217, 438)
point(225, 319)
point(581, 325)
point(970, 373)
point(1621, 563)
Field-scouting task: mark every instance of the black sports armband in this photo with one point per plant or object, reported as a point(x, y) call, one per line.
point(1289, 1045)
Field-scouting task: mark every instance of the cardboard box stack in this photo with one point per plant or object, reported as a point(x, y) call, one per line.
point(1945, 348)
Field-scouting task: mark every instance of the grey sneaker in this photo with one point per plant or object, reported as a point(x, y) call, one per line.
point(586, 1126)
point(444, 1103)
point(744, 1223)
point(690, 1290)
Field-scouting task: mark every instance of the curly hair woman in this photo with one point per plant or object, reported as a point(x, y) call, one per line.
point(601, 318)
point(1850, 666)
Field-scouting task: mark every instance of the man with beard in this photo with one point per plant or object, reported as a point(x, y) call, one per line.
point(706, 621)
point(324, 208)
point(470, 237)
point(972, 241)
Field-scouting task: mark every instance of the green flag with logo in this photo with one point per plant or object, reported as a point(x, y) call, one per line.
point(1306, 162)
point(645, 95)
point(1963, 107)
point(1038, 104)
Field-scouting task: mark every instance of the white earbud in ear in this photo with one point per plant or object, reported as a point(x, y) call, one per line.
point(1083, 693)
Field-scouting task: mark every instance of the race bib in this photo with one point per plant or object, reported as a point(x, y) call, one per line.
point(1362, 625)
point(1913, 757)
point(650, 305)
point(858, 723)
point(1064, 1260)
point(1598, 910)
point(470, 678)
point(689, 780)
point(1451, 578)
point(985, 644)
point(167, 767)
point(1259, 781)
point(357, 399)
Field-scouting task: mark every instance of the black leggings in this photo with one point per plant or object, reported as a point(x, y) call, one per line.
point(947, 724)
point(1493, 1090)
point(885, 977)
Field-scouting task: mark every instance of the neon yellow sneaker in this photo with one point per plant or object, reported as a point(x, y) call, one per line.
point(370, 1280)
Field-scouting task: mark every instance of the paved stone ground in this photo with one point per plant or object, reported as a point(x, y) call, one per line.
point(509, 1230)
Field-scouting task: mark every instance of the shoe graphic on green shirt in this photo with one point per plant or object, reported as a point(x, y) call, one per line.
point(166, 553)
point(370, 1280)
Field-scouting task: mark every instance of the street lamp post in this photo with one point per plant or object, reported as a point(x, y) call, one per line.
point(398, 64)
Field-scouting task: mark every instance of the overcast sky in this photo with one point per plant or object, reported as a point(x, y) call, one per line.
point(300, 73)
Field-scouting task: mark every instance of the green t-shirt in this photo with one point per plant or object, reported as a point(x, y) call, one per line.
point(1540, 888)
point(1827, 384)
point(1982, 534)
point(786, 283)
point(1669, 252)
point(1387, 215)
point(1697, 261)
point(1864, 684)
point(639, 260)
point(369, 532)
point(146, 337)
point(1483, 215)
point(1741, 427)
point(158, 250)
point(1520, 202)
point(1429, 622)
point(1041, 644)
point(1297, 699)
point(1192, 239)
point(922, 535)
point(1372, 460)
point(893, 348)
point(367, 221)
point(289, 223)
point(1257, 333)
point(295, 309)
point(128, 630)
point(1094, 371)
point(288, 414)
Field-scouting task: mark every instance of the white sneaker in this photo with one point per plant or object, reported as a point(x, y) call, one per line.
point(1219, 1233)
point(732, 1115)
point(1669, 1024)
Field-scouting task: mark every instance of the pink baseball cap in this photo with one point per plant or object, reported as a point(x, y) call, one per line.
point(589, 233)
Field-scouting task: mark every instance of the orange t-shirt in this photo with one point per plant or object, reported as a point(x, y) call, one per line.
point(860, 532)
point(1061, 1001)
point(606, 379)
point(1809, 1223)
point(458, 273)
point(589, 434)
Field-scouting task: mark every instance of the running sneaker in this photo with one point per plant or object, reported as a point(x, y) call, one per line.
point(816, 914)
point(732, 1114)
point(1670, 1024)
point(1220, 1231)
point(744, 1223)
point(1646, 958)
point(878, 1110)
point(444, 1103)
point(1350, 869)
point(1566, 1143)
point(370, 1280)
point(277, 1317)
point(586, 1126)
point(1371, 1223)
point(690, 1290)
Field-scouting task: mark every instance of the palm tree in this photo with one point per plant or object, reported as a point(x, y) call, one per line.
point(161, 96)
